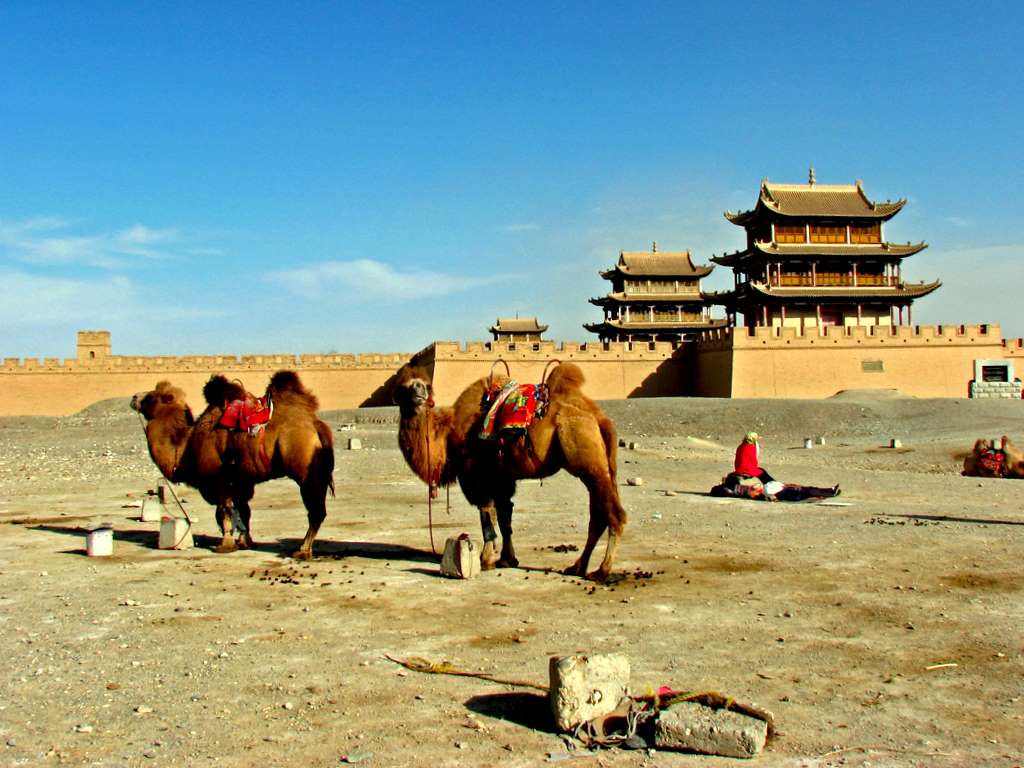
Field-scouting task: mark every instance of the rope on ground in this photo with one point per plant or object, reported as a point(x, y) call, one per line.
point(418, 664)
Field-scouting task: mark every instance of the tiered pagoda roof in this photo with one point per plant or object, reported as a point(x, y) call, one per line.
point(820, 251)
point(517, 325)
point(656, 264)
point(815, 200)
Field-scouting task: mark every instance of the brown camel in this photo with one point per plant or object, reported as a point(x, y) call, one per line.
point(442, 445)
point(225, 465)
point(987, 459)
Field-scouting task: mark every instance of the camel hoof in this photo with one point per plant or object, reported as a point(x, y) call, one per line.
point(244, 543)
point(301, 554)
point(508, 563)
point(488, 565)
point(226, 546)
point(572, 570)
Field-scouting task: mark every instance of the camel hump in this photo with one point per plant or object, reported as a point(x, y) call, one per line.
point(218, 390)
point(284, 382)
point(565, 377)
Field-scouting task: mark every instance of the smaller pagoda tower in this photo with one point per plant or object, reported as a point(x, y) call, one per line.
point(655, 296)
point(513, 329)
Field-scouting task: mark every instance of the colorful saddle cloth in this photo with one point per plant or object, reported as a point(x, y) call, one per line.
point(249, 415)
point(992, 460)
point(512, 408)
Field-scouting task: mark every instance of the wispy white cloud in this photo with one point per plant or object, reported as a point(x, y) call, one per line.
point(44, 301)
point(362, 280)
point(48, 240)
point(959, 221)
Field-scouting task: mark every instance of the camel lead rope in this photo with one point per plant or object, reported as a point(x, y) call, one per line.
point(430, 503)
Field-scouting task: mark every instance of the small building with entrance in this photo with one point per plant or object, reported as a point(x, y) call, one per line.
point(515, 329)
point(655, 296)
point(816, 256)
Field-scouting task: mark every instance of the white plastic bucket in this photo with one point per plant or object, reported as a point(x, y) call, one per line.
point(99, 542)
point(175, 533)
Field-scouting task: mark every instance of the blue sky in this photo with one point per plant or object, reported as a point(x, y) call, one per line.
point(207, 178)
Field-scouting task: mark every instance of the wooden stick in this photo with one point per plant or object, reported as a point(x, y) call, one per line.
point(941, 666)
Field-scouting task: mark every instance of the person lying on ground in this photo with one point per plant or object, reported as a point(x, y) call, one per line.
point(740, 486)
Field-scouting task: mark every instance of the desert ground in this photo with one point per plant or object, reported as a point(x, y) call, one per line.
point(886, 632)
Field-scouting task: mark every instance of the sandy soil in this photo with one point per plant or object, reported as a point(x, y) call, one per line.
point(830, 616)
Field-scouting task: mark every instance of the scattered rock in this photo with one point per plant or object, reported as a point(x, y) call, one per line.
point(695, 727)
point(586, 686)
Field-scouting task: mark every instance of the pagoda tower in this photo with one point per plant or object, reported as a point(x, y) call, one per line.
point(515, 329)
point(816, 256)
point(655, 296)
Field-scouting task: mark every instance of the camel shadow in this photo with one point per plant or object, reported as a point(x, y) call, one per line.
point(283, 548)
point(338, 550)
point(530, 710)
point(145, 539)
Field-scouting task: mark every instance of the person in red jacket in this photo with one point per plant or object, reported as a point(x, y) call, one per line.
point(748, 458)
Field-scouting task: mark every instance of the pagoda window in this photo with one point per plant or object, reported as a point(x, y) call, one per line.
point(790, 233)
point(866, 233)
point(828, 234)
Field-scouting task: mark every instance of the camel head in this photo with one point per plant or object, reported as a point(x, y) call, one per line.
point(165, 400)
point(412, 390)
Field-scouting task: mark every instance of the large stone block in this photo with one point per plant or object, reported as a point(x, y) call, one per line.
point(697, 728)
point(586, 686)
point(461, 559)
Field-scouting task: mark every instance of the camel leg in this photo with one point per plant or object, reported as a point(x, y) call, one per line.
point(225, 511)
point(508, 552)
point(606, 498)
point(314, 496)
point(596, 529)
point(606, 512)
point(244, 528)
point(488, 519)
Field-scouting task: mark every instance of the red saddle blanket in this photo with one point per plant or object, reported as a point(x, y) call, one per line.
point(249, 415)
point(512, 408)
point(992, 460)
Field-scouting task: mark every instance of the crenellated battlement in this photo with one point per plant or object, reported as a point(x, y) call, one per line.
point(547, 350)
point(781, 337)
point(191, 363)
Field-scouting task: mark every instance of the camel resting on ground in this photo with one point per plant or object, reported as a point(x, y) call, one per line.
point(442, 445)
point(988, 460)
point(225, 465)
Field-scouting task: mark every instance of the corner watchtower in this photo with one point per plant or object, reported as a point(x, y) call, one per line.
point(93, 345)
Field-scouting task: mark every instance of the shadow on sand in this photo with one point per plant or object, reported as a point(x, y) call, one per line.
point(530, 710)
point(325, 550)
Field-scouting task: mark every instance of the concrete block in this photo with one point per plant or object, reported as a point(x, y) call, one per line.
point(461, 559)
point(694, 727)
point(175, 533)
point(586, 686)
point(152, 510)
point(355, 444)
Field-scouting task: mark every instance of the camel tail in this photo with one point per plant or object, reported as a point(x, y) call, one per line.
point(218, 390)
point(289, 381)
point(565, 377)
point(611, 444)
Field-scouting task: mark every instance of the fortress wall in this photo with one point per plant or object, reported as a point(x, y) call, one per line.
point(55, 388)
point(613, 371)
point(923, 361)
